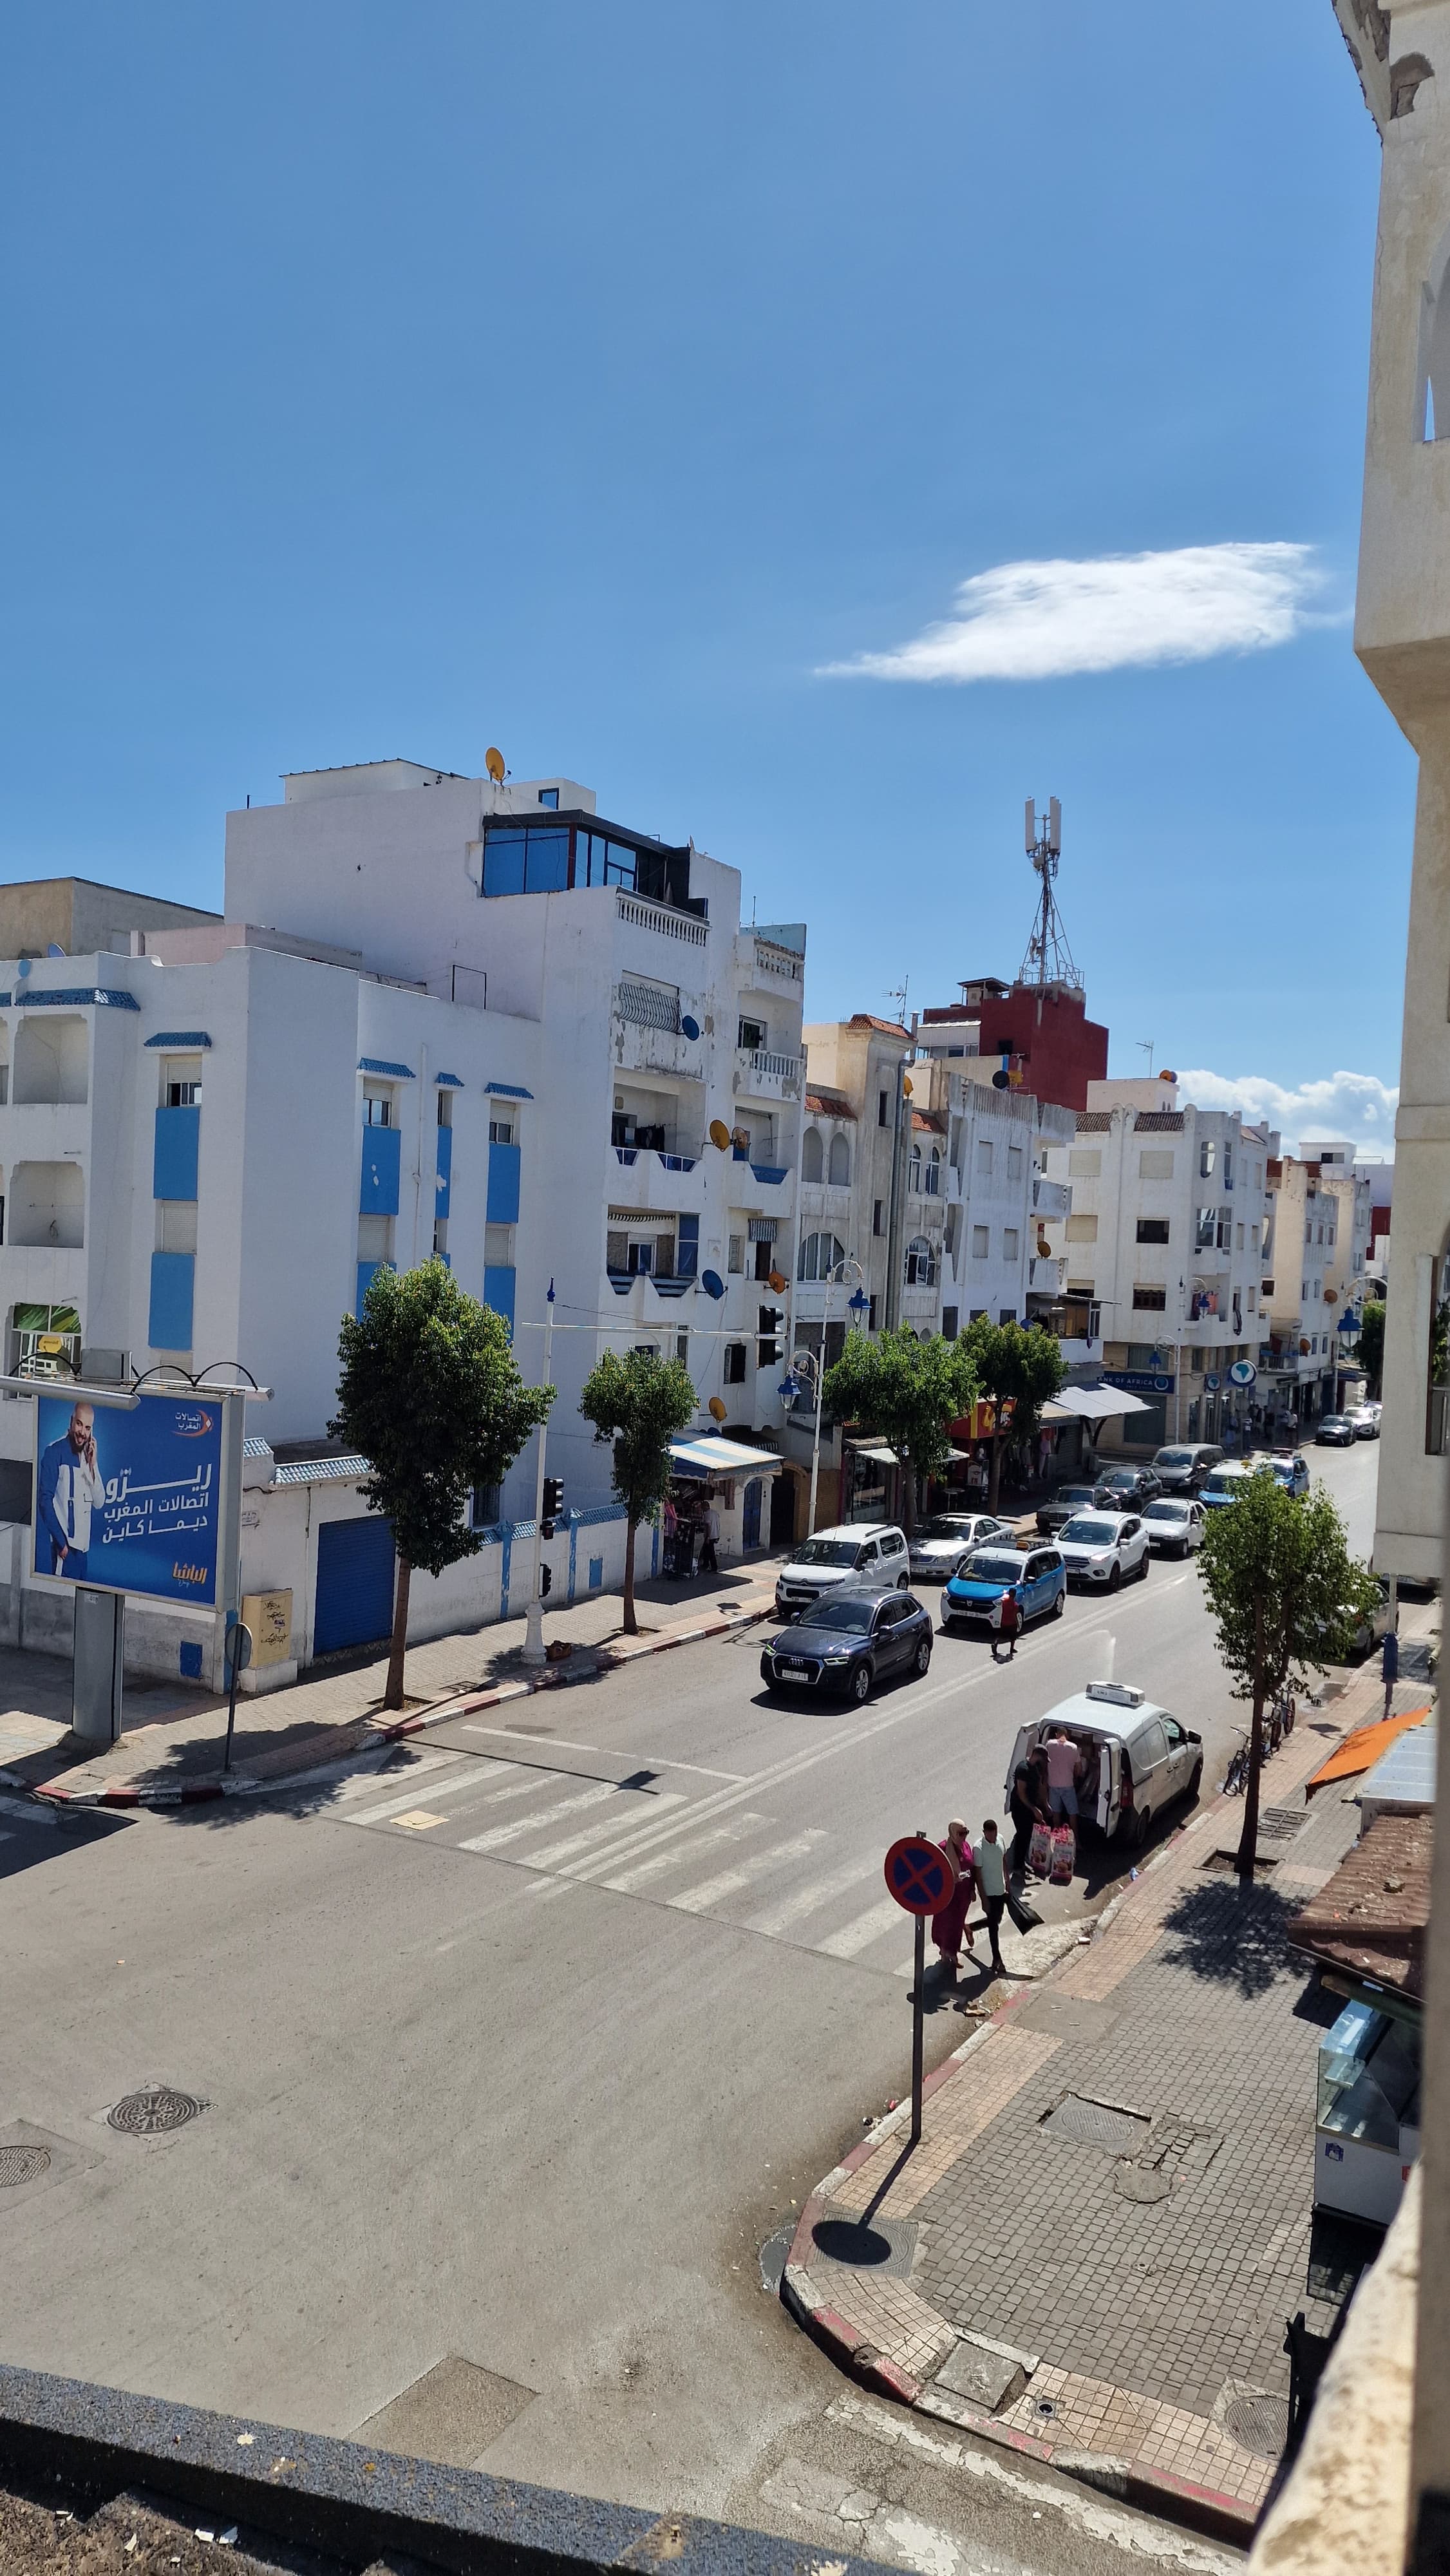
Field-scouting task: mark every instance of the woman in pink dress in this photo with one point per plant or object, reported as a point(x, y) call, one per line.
point(948, 1926)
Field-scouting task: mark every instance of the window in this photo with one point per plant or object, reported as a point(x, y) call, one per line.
point(1303, 1291)
point(1155, 1166)
point(735, 1355)
point(1014, 1162)
point(1207, 1155)
point(764, 1259)
point(882, 1101)
point(819, 1254)
point(1241, 1239)
point(811, 1155)
point(913, 1169)
point(500, 1131)
point(1224, 1231)
point(871, 1316)
point(1085, 1163)
point(498, 1248)
point(487, 1505)
point(736, 1254)
point(529, 858)
point(183, 1095)
point(440, 1237)
point(933, 1173)
point(1011, 1239)
point(840, 1163)
point(981, 1242)
point(176, 1225)
point(920, 1263)
point(751, 1036)
point(878, 1216)
point(1152, 1229)
point(1082, 1229)
point(1150, 1301)
point(445, 1108)
point(1205, 1222)
point(549, 798)
point(377, 1109)
point(375, 1238)
point(984, 1158)
point(949, 1324)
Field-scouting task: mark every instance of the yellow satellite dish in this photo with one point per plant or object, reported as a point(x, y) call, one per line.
point(494, 764)
point(719, 1133)
point(718, 1411)
point(906, 1084)
point(776, 1282)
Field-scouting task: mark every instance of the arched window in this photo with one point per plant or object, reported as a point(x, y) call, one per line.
point(933, 1174)
point(811, 1154)
point(840, 1162)
point(913, 1169)
point(819, 1255)
point(920, 1263)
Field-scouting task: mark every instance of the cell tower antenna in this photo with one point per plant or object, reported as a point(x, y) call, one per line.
point(1048, 959)
point(897, 995)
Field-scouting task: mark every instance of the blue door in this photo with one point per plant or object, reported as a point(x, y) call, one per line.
point(354, 1584)
point(750, 1517)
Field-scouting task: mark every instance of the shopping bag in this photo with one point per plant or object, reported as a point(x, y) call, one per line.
point(1025, 1918)
point(1064, 1854)
point(1039, 1850)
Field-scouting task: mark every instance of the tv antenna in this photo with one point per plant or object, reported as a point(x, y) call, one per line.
point(1146, 1045)
point(897, 994)
point(1048, 959)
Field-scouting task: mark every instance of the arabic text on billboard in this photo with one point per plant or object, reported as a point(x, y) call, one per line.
point(129, 1500)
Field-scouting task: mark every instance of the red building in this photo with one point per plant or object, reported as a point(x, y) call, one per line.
point(1050, 1045)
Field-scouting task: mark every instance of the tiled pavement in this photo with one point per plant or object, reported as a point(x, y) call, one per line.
point(1154, 2280)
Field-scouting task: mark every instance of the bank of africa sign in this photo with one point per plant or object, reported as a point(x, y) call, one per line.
point(129, 1499)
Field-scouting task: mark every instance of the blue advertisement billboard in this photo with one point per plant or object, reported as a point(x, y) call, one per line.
point(130, 1500)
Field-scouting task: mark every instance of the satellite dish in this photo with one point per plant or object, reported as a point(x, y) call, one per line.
point(906, 1084)
point(712, 1283)
point(493, 763)
point(719, 1133)
point(688, 1028)
point(1000, 1081)
point(719, 1412)
point(741, 1136)
point(54, 948)
point(1166, 1076)
point(776, 1282)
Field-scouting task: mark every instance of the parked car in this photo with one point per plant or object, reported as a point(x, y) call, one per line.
point(1336, 1431)
point(1225, 1484)
point(848, 1642)
point(1371, 1631)
point(1139, 1758)
point(1366, 1421)
point(1126, 1489)
point(1175, 1524)
point(1034, 1574)
point(1105, 1547)
point(1182, 1468)
point(937, 1546)
point(1292, 1470)
point(869, 1553)
point(1059, 1507)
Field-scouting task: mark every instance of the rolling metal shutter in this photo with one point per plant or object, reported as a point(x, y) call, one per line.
point(354, 1584)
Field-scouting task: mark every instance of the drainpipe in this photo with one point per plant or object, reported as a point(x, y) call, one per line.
point(898, 1183)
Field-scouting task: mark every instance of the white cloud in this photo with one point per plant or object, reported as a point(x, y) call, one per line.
point(1355, 1106)
point(1043, 621)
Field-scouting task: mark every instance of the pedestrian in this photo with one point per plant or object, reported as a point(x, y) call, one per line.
point(1029, 1808)
point(948, 1926)
point(1009, 1620)
point(671, 1521)
point(989, 1864)
point(709, 1561)
point(1390, 1666)
point(1063, 1762)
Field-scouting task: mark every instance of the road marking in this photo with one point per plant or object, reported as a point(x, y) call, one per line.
point(698, 1900)
point(558, 1852)
point(498, 1835)
point(418, 1820)
point(857, 1936)
point(645, 1870)
point(646, 1761)
point(468, 1778)
point(817, 1891)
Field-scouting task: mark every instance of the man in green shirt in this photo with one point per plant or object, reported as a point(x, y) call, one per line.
point(991, 1867)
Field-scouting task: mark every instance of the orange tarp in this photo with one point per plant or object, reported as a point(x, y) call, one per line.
point(1363, 1748)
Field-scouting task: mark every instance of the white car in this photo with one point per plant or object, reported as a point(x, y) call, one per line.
point(938, 1546)
point(1104, 1548)
point(1174, 1524)
point(870, 1554)
point(1366, 1421)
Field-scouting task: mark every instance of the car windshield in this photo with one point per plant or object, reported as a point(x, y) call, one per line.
point(852, 1615)
point(1174, 1458)
point(1074, 1494)
point(1121, 1477)
point(1091, 1533)
point(1284, 1469)
point(1334, 1422)
point(1224, 1480)
point(946, 1525)
point(1165, 1512)
point(828, 1551)
point(993, 1569)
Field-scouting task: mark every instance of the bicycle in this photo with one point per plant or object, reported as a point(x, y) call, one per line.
point(1236, 1778)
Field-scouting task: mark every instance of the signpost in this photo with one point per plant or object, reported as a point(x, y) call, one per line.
point(239, 1655)
point(921, 1877)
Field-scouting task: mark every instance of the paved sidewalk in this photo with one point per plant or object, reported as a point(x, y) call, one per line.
point(174, 1739)
point(1108, 2285)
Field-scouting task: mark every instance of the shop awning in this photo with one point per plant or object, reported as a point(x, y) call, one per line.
point(882, 1457)
point(1092, 1404)
point(707, 1457)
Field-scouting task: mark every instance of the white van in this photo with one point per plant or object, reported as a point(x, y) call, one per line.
point(861, 1553)
point(1140, 1759)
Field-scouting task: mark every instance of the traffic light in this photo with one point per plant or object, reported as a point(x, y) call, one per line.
point(546, 1581)
point(553, 1504)
point(767, 1349)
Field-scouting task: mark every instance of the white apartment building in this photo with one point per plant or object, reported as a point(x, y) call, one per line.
point(440, 1015)
point(1352, 1185)
point(1161, 1254)
point(1298, 1356)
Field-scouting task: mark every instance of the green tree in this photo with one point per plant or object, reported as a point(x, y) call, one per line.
point(641, 1403)
point(907, 1392)
point(1372, 1344)
point(1288, 1598)
point(1017, 1364)
point(431, 1396)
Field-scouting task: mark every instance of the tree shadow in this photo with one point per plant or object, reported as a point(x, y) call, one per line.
point(1231, 1935)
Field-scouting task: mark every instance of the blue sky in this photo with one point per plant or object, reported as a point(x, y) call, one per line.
point(591, 382)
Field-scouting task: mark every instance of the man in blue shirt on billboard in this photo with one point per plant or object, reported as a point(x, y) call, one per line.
point(68, 1488)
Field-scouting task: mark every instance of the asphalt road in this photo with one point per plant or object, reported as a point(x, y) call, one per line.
point(518, 2051)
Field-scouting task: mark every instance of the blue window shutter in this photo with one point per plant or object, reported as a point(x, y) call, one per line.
point(174, 1163)
point(445, 1171)
point(498, 1290)
point(365, 1270)
point(687, 1254)
point(381, 1163)
point(503, 1185)
point(173, 1277)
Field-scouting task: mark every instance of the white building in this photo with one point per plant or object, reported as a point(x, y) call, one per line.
point(439, 1016)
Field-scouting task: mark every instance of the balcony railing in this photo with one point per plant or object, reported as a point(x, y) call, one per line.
point(648, 1006)
point(782, 962)
point(658, 916)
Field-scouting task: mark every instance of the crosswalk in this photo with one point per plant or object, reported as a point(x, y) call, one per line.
point(698, 1849)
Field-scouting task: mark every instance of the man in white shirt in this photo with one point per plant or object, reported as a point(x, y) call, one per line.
point(990, 1863)
point(68, 1488)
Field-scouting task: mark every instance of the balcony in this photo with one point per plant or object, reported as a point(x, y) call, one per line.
point(760, 1074)
point(646, 1183)
point(640, 914)
point(778, 965)
point(1045, 1277)
point(1050, 1198)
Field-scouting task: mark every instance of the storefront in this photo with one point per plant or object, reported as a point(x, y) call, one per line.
point(710, 1473)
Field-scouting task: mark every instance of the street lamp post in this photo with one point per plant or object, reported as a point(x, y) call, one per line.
point(815, 1361)
point(533, 1649)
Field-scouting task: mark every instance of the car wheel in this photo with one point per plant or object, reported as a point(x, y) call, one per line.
point(860, 1684)
point(1060, 1604)
point(1194, 1785)
point(1142, 1821)
point(923, 1656)
point(1115, 1578)
point(1143, 1567)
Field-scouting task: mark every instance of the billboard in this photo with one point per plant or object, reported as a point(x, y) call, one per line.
point(131, 1500)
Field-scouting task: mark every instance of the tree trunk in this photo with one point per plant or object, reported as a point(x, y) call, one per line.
point(1249, 1838)
point(631, 1624)
point(906, 1489)
point(393, 1695)
point(994, 1486)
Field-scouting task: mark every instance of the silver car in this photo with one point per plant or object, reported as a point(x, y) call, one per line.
point(939, 1545)
point(1174, 1524)
point(1105, 1547)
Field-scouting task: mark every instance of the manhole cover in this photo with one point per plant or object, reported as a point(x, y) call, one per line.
point(153, 2113)
point(1095, 2124)
point(1257, 2424)
point(1281, 1824)
point(22, 2164)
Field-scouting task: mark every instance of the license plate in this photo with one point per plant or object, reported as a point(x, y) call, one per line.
point(795, 1672)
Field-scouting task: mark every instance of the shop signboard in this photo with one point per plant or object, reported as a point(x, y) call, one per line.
point(1140, 1381)
point(137, 1498)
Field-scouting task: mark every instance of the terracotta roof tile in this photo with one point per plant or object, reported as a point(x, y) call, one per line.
point(829, 1104)
point(1371, 1916)
point(932, 1120)
point(888, 1028)
point(1158, 1122)
point(1093, 1122)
